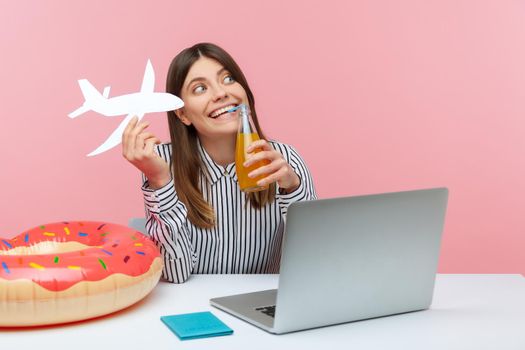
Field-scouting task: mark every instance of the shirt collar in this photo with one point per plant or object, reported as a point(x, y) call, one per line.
point(213, 171)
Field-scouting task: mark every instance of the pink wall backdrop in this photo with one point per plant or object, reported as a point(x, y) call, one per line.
point(376, 95)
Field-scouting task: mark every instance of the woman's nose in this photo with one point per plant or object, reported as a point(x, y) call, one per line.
point(219, 93)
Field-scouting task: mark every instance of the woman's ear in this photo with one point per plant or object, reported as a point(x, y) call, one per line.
point(182, 116)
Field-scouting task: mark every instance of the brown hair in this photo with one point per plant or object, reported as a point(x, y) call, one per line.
point(186, 163)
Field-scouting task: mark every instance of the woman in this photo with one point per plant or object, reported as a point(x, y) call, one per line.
point(195, 211)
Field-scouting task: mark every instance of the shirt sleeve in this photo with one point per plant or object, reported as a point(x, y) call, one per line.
point(306, 189)
point(167, 224)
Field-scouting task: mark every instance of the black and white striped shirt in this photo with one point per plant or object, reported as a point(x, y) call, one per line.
point(244, 239)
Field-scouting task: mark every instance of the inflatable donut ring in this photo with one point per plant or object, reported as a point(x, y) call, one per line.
point(70, 271)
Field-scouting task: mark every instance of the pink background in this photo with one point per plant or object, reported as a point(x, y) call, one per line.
point(377, 96)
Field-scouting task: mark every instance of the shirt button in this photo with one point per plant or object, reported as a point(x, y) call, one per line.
point(226, 173)
point(156, 207)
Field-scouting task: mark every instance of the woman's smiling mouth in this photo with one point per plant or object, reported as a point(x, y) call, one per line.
point(218, 112)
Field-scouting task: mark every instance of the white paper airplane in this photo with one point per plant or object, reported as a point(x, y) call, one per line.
point(136, 104)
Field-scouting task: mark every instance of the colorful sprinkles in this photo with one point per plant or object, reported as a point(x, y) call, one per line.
point(36, 266)
point(7, 244)
point(118, 244)
point(102, 263)
point(107, 252)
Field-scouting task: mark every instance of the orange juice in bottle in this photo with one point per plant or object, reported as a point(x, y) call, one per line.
point(246, 135)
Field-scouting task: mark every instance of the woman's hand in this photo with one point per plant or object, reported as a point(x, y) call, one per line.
point(278, 170)
point(138, 147)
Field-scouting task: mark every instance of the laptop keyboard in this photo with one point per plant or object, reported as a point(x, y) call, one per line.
point(267, 310)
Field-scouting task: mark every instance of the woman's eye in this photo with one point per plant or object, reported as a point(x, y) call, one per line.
point(228, 79)
point(199, 89)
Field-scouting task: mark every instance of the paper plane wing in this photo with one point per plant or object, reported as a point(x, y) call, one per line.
point(115, 138)
point(148, 82)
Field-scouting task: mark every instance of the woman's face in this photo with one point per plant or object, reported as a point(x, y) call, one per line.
point(209, 90)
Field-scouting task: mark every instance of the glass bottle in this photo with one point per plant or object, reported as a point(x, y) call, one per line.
point(246, 135)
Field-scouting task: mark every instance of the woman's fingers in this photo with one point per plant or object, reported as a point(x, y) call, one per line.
point(149, 145)
point(134, 140)
point(145, 147)
point(130, 126)
point(263, 151)
point(262, 155)
point(275, 177)
point(259, 144)
point(125, 135)
point(141, 138)
point(138, 147)
point(139, 128)
point(268, 169)
point(278, 170)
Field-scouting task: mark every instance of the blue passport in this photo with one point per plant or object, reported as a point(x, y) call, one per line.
point(196, 325)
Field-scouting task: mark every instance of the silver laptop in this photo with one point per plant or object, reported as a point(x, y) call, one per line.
point(349, 259)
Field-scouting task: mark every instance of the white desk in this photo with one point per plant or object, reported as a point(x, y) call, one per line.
point(468, 312)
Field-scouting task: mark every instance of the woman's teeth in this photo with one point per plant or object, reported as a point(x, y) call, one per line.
point(217, 113)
